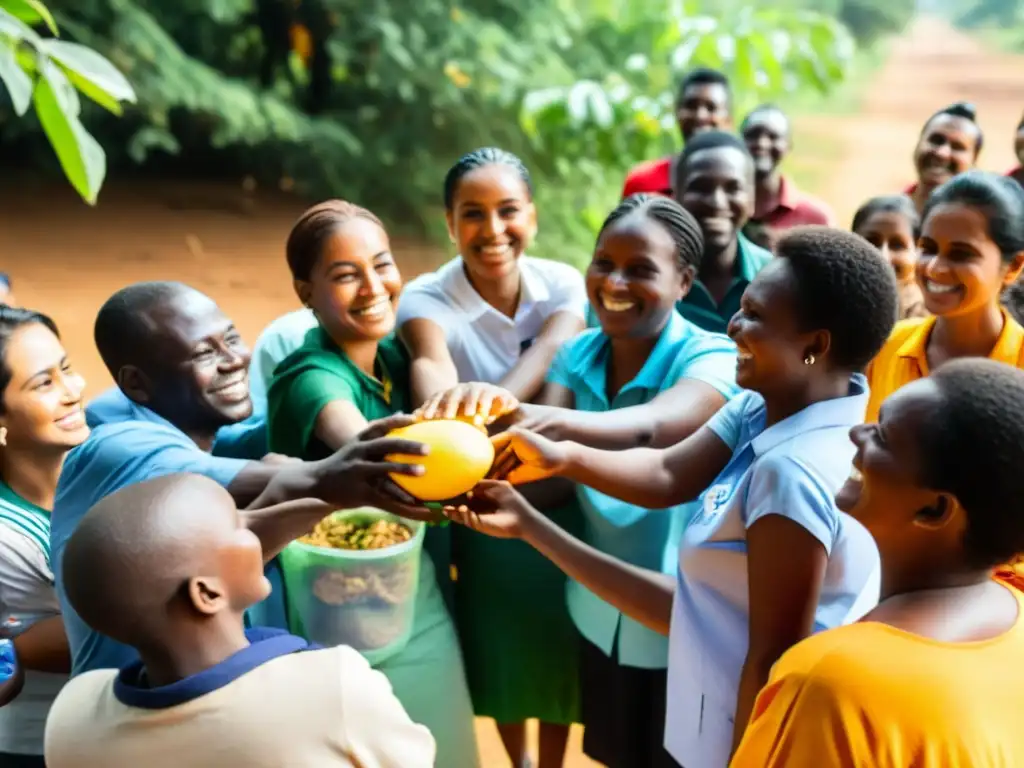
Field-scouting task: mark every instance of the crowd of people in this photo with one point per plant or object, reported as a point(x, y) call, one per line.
point(752, 503)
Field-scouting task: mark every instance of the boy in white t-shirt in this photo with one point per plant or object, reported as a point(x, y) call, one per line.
point(166, 567)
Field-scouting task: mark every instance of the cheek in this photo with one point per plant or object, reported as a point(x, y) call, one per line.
point(33, 414)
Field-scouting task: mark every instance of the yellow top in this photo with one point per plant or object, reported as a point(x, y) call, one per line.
point(869, 695)
point(904, 359)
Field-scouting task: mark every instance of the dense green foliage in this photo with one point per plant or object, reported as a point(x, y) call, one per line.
point(372, 99)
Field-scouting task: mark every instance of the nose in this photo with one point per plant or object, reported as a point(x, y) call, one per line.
point(371, 284)
point(735, 327)
point(614, 282)
point(857, 434)
point(232, 358)
point(494, 225)
point(944, 151)
point(73, 386)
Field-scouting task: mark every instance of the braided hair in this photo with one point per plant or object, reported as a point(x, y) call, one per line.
point(480, 158)
point(680, 224)
point(310, 232)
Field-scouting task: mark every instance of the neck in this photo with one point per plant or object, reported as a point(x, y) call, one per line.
point(971, 335)
point(625, 361)
point(32, 474)
point(502, 294)
point(767, 194)
point(816, 390)
point(362, 353)
point(193, 652)
point(719, 262)
point(201, 437)
point(915, 582)
point(921, 194)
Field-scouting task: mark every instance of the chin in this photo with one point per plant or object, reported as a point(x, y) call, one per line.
point(236, 412)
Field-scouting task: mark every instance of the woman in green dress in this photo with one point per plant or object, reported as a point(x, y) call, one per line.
point(496, 315)
point(350, 370)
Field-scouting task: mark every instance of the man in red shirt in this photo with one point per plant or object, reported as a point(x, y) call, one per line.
point(778, 204)
point(704, 102)
point(950, 143)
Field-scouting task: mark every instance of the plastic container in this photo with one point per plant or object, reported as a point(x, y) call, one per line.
point(362, 598)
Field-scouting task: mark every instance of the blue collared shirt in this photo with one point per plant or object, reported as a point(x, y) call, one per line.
point(644, 537)
point(793, 469)
point(139, 446)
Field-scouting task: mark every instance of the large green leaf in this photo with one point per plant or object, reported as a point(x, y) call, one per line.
point(16, 29)
point(31, 12)
point(80, 156)
point(19, 84)
point(91, 74)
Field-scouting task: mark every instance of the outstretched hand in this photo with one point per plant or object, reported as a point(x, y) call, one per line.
point(478, 402)
point(494, 508)
point(521, 457)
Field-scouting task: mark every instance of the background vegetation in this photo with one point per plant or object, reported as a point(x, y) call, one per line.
point(373, 99)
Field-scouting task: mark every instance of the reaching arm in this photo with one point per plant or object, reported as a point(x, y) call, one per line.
point(654, 478)
point(526, 378)
point(432, 369)
point(44, 647)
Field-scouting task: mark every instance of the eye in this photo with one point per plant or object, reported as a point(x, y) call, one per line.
point(44, 383)
point(509, 211)
point(472, 214)
point(344, 277)
point(202, 352)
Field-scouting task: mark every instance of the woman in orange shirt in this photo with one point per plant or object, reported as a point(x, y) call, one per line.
point(932, 676)
point(971, 247)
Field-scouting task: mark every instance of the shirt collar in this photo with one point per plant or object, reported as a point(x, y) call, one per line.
point(845, 411)
point(264, 645)
point(1006, 350)
point(789, 196)
point(592, 367)
point(747, 266)
point(458, 287)
point(114, 407)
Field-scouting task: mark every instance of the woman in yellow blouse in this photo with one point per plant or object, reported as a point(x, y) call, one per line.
point(932, 677)
point(971, 248)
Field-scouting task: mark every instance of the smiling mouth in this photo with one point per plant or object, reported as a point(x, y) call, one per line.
point(615, 305)
point(374, 310)
point(495, 251)
point(73, 420)
point(940, 289)
point(236, 391)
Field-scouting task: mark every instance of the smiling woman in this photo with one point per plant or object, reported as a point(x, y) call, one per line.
point(41, 419)
point(971, 248)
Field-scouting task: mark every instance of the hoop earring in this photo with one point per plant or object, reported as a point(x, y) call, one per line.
point(809, 360)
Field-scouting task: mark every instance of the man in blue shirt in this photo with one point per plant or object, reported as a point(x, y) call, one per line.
point(183, 366)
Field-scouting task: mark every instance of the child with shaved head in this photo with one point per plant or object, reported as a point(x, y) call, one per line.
point(166, 567)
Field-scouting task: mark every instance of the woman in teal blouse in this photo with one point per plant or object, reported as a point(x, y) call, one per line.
point(350, 370)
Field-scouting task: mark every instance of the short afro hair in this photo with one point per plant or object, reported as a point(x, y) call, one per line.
point(844, 286)
point(703, 76)
point(711, 140)
point(972, 446)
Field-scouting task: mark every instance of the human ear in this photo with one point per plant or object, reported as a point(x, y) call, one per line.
point(135, 384)
point(207, 594)
point(304, 290)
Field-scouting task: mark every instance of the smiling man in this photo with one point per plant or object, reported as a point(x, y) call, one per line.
point(703, 103)
point(182, 367)
point(950, 143)
point(778, 204)
point(715, 183)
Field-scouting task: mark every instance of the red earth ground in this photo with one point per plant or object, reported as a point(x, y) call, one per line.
point(67, 258)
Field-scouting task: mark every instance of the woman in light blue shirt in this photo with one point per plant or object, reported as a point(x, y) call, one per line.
point(644, 352)
point(768, 559)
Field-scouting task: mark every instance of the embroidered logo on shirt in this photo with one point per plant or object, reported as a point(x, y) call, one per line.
point(715, 499)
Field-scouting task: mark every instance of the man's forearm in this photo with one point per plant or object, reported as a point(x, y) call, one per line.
point(279, 524)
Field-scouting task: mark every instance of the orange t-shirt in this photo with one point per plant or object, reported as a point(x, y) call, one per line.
point(869, 695)
point(904, 358)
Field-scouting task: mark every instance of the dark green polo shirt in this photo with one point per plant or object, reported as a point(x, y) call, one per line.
point(700, 308)
point(318, 373)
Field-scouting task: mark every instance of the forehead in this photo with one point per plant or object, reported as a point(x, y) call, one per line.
point(910, 405)
point(636, 234)
point(491, 183)
point(955, 221)
point(714, 93)
point(771, 120)
point(888, 221)
point(31, 349)
point(355, 239)
point(772, 285)
point(726, 162)
point(952, 127)
point(186, 319)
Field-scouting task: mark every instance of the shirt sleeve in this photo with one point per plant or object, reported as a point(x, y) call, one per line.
point(418, 301)
point(727, 422)
point(378, 731)
point(800, 719)
point(23, 574)
point(782, 485)
point(714, 364)
point(308, 393)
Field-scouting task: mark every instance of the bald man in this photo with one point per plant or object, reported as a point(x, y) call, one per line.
point(183, 366)
point(168, 567)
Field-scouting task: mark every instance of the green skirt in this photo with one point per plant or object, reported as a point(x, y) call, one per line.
point(519, 644)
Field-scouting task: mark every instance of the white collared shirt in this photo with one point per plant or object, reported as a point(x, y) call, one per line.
point(484, 343)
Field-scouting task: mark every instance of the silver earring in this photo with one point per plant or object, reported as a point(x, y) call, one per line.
point(809, 360)
point(3, 435)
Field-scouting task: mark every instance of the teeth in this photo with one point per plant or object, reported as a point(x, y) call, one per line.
point(856, 475)
point(744, 356)
point(494, 250)
point(932, 287)
point(613, 305)
point(377, 309)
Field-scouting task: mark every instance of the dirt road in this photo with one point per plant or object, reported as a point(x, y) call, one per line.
point(67, 258)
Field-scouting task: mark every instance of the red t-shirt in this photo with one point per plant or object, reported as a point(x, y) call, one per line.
point(652, 176)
